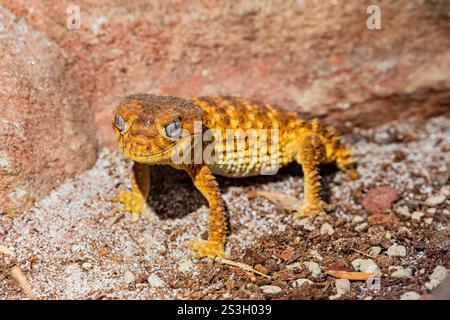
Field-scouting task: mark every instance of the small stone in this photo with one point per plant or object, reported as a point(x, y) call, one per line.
point(368, 298)
point(410, 295)
point(396, 251)
point(374, 251)
point(343, 287)
point(326, 228)
point(404, 211)
point(379, 199)
point(404, 231)
point(87, 266)
point(313, 267)
point(316, 255)
point(431, 210)
point(417, 215)
point(306, 223)
point(185, 266)
point(428, 220)
point(299, 282)
point(357, 219)
point(361, 227)
point(400, 272)
point(365, 265)
point(129, 277)
point(294, 266)
point(435, 200)
point(271, 289)
point(438, 275)
point(155, 281)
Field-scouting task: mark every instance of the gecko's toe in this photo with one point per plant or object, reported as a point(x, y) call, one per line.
point(135, 203)
point(309, 211)
point(205, 248)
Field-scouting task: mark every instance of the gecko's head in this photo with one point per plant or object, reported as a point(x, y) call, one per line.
point(149, 127)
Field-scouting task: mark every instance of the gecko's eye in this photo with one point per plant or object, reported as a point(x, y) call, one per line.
point(173, 128)
point(119, 122)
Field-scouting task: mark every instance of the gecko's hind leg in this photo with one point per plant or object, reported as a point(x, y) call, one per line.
point(135, 201)
point(309, 156)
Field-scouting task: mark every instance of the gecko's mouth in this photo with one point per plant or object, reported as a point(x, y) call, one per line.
point(139, 154)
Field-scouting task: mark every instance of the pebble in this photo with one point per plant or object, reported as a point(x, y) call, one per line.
point(396, 251)
point(129, 277)
point(410, 295)
point(379, 199)
point(87, 266)
point(316, 255)
point(155, 281)
point(417, 215)
point(294, 266)
point(400, 272)
point(438, 275)
point(374, 251)
point(435, 200)
point(428, 220)
point(361, 227)
point(299, 282)
point(271, 289)
point(365, 265)
point(357, 219)
point(343, 287)
point(313, 267)
point(326, 228)
point(306, 223)
point(404, 211)
point(185, 266)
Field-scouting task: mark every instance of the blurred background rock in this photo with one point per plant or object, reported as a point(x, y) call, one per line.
point(58, 87)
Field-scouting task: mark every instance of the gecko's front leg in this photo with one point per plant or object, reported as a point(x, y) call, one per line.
point(207, 185)
point(135, 201)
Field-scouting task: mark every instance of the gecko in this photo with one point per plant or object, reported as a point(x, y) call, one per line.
point(166, 130)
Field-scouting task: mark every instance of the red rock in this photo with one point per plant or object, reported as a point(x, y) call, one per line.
point(286, 254)
point(379, 199)
point(47, 132)
point(340, 265)
point(297, 54)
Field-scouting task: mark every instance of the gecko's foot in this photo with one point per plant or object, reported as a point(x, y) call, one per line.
point(136, 204)
point(310, 211)
point(352, 173)
point(205, 248)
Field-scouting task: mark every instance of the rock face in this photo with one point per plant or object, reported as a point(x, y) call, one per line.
point(312, 56)
point(46, 130)
point(316, 56)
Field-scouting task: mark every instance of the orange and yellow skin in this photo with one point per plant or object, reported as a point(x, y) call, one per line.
point(142, 137)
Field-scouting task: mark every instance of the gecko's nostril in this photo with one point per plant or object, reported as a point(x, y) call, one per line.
point(149, 149)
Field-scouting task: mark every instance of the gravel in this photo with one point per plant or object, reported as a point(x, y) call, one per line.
point(400, 272)
point(78, 223)
point(396, 251)
point(299, 282)
point(365, 265)
point(410, 295)
point(343, 286)
point(438, 275)
point(313, 268)
point(155, 281)
point(271, 289)
point(326, 228)
point(435, 200)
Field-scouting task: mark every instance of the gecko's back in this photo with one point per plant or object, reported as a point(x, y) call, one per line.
point(269, 136)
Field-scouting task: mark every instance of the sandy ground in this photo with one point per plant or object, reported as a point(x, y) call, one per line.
point(78, 244)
